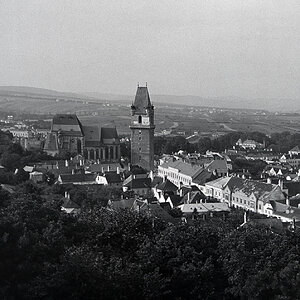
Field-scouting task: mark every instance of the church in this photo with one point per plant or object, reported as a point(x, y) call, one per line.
point(69, 135)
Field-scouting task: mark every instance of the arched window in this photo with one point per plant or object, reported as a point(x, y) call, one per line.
point(106, 153)
point(111, 152)
point(85, 153)
point(79, 146)
point(92, 154)
point(140, 119)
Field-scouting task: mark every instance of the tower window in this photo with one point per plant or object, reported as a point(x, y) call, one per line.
point(140, 119)
point(140, 149)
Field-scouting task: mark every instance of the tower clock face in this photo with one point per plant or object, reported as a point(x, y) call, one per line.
point(145, 121)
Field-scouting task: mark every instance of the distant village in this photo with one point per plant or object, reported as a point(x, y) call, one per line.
point(197, 185)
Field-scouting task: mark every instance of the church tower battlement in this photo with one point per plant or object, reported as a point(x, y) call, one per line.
point(142, 130)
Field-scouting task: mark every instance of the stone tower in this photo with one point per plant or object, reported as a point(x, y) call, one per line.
point(142, 130)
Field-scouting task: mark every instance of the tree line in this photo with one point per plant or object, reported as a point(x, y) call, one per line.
point(106, 254)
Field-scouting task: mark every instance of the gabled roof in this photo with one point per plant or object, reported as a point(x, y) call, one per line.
point(194, 197)
point(91, 136)
point(262, 191)
point(70, 178)
point(137, 183)
point(167, 186)
point(113, 177)
point(292, 187)
point(203, 177)
point(204, 207)
point(295, 149)
point(109, 134)
point(66, 119)
point(176, 200)
point(142, 100)
point(123, 203)
point(68, 203)
point(51, 142)
point(219, 165)
point(183, 167)
point(219, 182)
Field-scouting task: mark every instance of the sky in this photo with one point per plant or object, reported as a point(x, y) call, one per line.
point(212, 48)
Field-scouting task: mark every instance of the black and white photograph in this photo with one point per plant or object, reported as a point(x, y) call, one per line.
point(149, 149)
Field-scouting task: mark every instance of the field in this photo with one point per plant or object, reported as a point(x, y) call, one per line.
point(177, 118)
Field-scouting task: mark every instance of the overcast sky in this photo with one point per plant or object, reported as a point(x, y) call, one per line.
point(246, 48)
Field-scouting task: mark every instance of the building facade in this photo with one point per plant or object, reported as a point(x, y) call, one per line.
point(142, 130)
point(68, 135)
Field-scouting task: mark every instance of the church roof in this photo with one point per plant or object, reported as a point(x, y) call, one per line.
point(51, 142)
point(66, 119)
point(95, 135)
point(142, 99)
point(109, 133)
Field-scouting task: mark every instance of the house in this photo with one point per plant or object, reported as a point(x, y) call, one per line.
point(164, 189)
point(154, 210)
point(249, 144)
point(283, 211)
point(194, 197)
point(122, 203)
point(218, 167)
point(194, 210)
point(291, 159)
point(294, 151)
point(202, 178)
point(214, 189)
point(36, 176)
point(69, 206)
point(140, 184)
point(250, 194)
point(77, 179)
point(174, 200)
point(109, 178)
point(179, 172)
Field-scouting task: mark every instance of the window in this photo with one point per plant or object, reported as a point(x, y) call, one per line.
point(259, 206)
point(140, 119)
point(245, 202)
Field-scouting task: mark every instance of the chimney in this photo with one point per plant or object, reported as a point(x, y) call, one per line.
point(66, 194)
point(128, 166)
point(102, 170)
point(108, 168)
point(180, 192)
point(287, 201)
point(98, 161)
point(269, 180)
point(189, 197)
point(245, 217)
point(80, 162)
point(66, 163)
point(73, 171)
point(151, 175)
point(118, 170)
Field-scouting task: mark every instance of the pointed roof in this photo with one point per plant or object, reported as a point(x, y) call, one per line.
point(142, 99)
point(167, 186)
